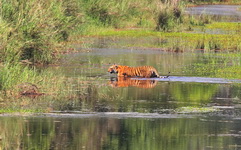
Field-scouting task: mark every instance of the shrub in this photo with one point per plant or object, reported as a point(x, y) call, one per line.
point(170, 16)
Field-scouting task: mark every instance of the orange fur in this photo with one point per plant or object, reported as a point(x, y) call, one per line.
point(126, 71)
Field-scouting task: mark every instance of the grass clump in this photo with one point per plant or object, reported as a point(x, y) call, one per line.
point(12, 76)
point(31, 29)
point(170, 16)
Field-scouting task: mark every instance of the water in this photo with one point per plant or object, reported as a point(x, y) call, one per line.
point(219, 12)
point(185, 87)
point(192, 109)
point(106, 112)
point(99, 131)
point(111, 113)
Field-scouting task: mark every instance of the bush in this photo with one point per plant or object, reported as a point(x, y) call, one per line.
point(170, 16)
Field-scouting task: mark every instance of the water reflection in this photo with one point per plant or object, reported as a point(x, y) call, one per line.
point(126, 82)
point(95, 92)
point(93, 132)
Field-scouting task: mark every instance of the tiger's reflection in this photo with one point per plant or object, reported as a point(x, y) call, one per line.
point(127, 82)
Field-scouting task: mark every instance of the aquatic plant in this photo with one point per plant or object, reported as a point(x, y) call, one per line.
point(174, 41)
point(195, 110)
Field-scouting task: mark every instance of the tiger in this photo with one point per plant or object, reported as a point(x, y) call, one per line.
point(129, 82)
point(141, 71)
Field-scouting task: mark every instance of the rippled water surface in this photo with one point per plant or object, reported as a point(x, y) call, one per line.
point(120, 132)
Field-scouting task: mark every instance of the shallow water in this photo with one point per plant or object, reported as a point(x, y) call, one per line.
point(117, 132)
point(106, 112)
point(219, 12)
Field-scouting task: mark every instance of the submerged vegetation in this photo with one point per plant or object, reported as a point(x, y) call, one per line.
point(179, 41)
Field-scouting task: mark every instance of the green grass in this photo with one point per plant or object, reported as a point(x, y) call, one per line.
point(31, 29)
point(233, 26)
point(19, 111)
point(217, 65)
point(184, 41)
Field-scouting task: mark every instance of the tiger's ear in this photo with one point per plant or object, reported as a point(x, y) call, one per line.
point(116, 66)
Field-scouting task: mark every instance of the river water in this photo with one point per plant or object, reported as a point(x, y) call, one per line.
point(220, 12)
point(106, 112)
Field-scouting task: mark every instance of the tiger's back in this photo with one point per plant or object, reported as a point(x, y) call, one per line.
point(141, 71)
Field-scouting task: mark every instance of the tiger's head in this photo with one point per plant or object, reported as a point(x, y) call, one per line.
point(113, 69)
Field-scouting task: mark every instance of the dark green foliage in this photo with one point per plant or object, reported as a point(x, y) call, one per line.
point(169, 18)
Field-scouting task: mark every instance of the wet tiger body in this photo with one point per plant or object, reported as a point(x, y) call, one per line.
point(126, 71)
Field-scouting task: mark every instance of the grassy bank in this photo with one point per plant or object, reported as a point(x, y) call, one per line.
point(212, 37)
point(32, 30)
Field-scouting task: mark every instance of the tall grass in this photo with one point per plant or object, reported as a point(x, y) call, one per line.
point(12, 76)
point(170, 15)
point(118, 14)
point(132, 14)
point(31, 29)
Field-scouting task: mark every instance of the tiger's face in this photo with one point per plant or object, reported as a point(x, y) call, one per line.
point(113, 69)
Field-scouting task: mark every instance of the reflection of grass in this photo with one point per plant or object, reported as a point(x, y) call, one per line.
point(191, 110)
point(193, 93)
